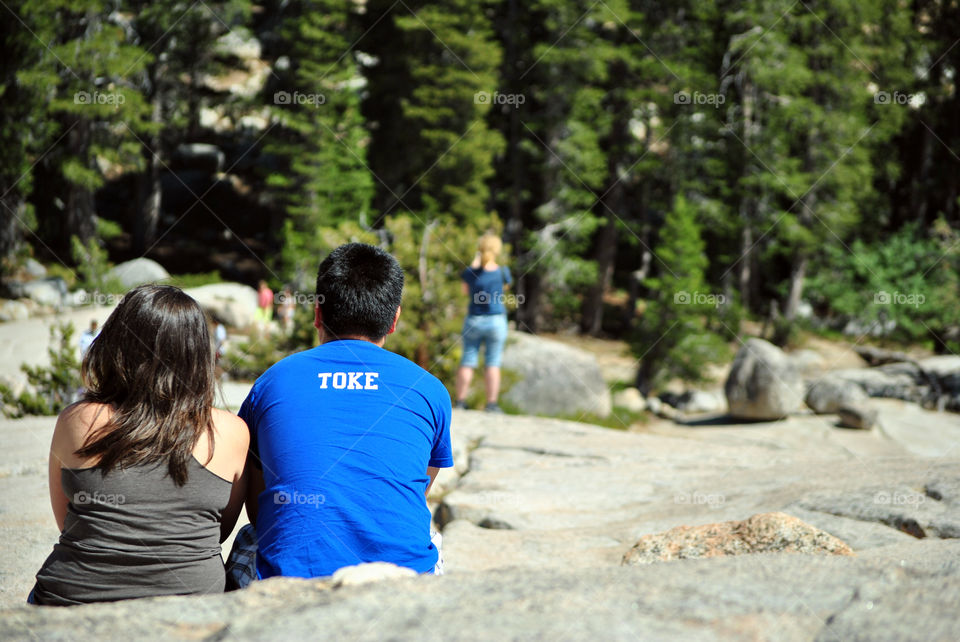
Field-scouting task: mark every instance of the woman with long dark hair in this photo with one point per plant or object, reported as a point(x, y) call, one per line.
point(146, 477)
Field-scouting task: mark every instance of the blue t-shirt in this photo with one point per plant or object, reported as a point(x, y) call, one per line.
point(486, 289)
point(344, 433)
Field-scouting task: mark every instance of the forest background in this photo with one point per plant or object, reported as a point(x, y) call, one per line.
point(660, 172)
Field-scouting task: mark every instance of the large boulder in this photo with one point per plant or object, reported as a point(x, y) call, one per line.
point(764, 384)
point(630, 399)
point(763, 533)
point(46, 291)
point(694, 402)
point(826, 395)
point(137, 272)
point(555, 379)
point(234, 304)
point(14, 311)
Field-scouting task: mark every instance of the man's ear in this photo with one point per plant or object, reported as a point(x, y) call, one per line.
point(396, 318)
point(317, 317)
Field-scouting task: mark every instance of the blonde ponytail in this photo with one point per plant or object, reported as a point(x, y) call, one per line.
point(490, 246)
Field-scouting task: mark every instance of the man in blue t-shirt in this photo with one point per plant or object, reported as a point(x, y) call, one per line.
point(346, 438)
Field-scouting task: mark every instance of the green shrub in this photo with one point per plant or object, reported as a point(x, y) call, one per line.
point(910, 278)
point(50, 389)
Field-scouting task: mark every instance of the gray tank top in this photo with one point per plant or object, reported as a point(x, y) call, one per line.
point(134, 533)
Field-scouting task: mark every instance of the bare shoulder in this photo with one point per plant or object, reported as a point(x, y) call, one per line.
point(74, 425)
point(230, 427)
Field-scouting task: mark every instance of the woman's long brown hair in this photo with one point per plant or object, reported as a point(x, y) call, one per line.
point(152, 363)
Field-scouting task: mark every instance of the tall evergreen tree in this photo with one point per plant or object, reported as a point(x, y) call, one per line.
point(88, 68)
point(322, 179)
point(672, 338)
point(24, 132)
point(181, 41)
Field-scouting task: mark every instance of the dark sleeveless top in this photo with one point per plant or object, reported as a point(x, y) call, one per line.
point(135, 533)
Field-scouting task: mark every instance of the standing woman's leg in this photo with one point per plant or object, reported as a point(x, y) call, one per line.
point(469, 361)
point(493, 356)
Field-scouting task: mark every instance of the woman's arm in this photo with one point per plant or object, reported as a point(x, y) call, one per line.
point(68, 436)
point(239, 444)
point(58, 500)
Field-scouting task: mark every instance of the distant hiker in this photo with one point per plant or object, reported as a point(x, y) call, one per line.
point(88, 336)
point(486, 323)
point(264, 304)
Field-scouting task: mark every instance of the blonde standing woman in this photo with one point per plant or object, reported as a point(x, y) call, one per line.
point(486, 324)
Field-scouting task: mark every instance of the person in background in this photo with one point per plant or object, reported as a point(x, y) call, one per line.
point(285, 310)
point(264, 303)
point(219, 340)
point(88, 336)
point(146, 477)
point(486, 323)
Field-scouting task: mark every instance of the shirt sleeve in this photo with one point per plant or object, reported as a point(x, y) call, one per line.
point(507, 277)
point(441, 456)
point(469, 275)
point(248, 414)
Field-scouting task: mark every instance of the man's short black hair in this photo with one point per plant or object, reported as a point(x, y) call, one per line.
point(359, 288)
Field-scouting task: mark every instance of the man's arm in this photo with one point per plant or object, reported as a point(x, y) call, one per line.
point(432, 474)
point(255, 486)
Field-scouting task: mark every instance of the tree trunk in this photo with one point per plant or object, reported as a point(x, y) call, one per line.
point(591, 321)
point(745, 280)
point(147, 216)
point(12, 212)
point(529, 286)
point(797, 273)
point(80, 211)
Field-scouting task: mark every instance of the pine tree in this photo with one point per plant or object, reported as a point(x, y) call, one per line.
point(672, 338)
point(88, 71)
point(24, 132)
point(320, 141)
point(182, 43)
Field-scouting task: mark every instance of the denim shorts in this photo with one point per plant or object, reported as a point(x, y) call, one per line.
point(489, 330)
